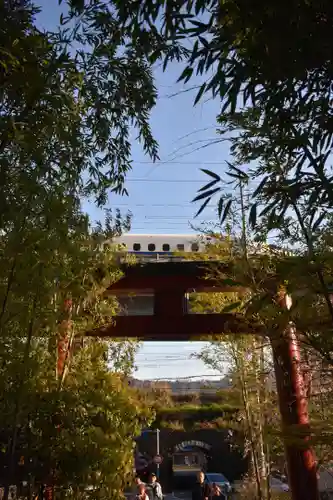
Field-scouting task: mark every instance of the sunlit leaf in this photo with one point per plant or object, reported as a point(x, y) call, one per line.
point(232, 307)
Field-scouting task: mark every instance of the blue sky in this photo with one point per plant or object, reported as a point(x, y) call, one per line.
point(160, 194)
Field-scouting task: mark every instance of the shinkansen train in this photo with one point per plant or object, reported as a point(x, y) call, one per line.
point(162, 244)
point(156, 246)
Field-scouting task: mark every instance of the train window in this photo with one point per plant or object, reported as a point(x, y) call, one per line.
point(166, 247)
point(136, 247)
point(181, 247)
point(151, 247)
point(195, 247)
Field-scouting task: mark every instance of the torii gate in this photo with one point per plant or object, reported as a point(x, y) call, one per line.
point(169, 282)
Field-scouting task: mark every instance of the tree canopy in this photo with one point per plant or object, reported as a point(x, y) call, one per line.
point(69, 101)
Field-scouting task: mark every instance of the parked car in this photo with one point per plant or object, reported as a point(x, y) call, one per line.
point(277, 485)
point(219, 479)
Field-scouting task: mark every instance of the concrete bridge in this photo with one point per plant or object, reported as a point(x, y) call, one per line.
point(212, 444)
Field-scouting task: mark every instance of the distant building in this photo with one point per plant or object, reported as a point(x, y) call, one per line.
point(178, 387)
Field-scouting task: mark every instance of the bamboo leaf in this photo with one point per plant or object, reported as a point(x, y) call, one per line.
point(212, 174)
point(200, 93)
point(206, 194)
point(319, 220)
point(207, 186)
point(220, 207)
point(253, 215)
point(267, 209)
point(260, 187)
point(186, 74)
point(226, 210)
point(232, 307)
point(203, 206)
point(237, 173)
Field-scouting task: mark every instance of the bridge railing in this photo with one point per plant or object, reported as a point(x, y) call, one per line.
point(154, 258)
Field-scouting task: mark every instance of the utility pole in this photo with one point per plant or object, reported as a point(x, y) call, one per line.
point(157, 452)
point(157, 447)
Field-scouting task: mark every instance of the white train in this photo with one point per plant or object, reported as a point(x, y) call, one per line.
point(164, 245)
point(161, 244)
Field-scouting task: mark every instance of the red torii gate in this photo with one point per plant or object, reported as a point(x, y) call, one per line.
point(169, 282)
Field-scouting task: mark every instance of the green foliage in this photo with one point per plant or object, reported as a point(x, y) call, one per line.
point(187, 408)
point(244, 39)
point(236, 46)
point(287, 182)
point(251, 362)
point(34, 286)
point(84, 432)
point(275, 102)
point(191, 417)
point(69, 101)
point(97, 415)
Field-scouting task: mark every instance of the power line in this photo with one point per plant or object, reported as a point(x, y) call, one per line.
point(172, 216)
point(166, 180)
point(178, 205)
point(204, 377)
point(177, 223)
point(170, 357)
point(174, 162)
point(166, 230)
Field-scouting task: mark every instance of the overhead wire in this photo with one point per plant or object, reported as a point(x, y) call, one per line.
point(143, 179)
point(178, 205)
point(172, 162)
point(174, 223)
point(203, 377)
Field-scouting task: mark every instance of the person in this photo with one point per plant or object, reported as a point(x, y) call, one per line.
point(155, 488)
point(201, 490)
point(142, 495)
point(137, 484)
point(216, 491)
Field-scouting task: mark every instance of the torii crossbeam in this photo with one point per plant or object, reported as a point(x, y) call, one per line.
point(169, 282)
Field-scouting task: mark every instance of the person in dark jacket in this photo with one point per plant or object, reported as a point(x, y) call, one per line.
point(201, 490)
point(154, 489)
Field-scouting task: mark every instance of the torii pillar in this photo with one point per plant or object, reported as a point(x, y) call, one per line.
point(169, 282)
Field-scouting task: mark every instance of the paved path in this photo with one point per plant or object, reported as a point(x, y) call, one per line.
point(183, 495)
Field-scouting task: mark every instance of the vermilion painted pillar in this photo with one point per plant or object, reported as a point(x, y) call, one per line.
point(301, 463)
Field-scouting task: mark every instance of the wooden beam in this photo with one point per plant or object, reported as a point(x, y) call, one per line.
point(151, 284)
point(150, 277)
point(184, 327)
point(124, 289)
